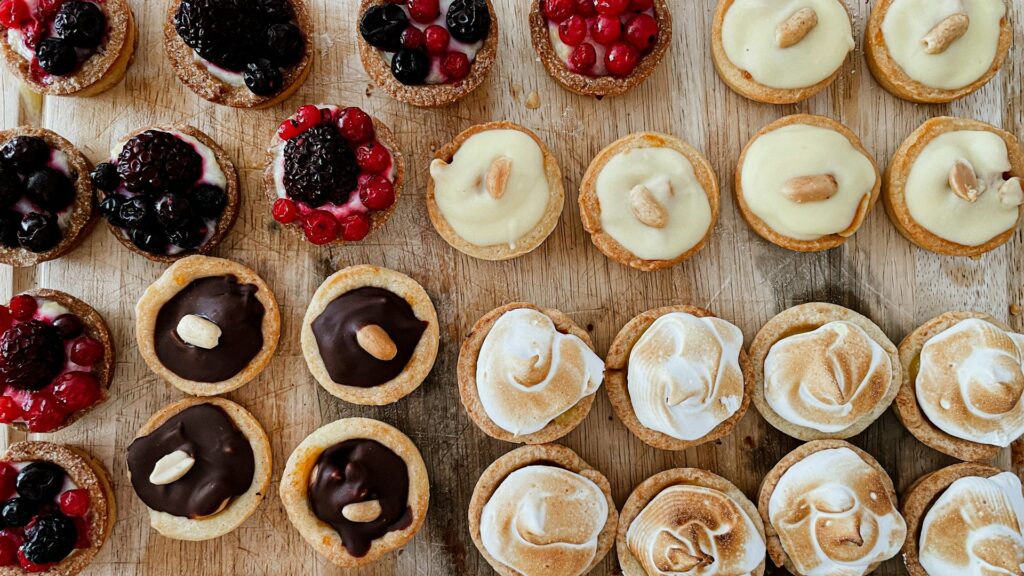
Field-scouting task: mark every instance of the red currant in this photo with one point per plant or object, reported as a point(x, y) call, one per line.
point(585, 8)
point(355, 125)
point(76, 390)
point(320, 227)
point(85, 351)
point(8, 477)
point(425, 11)
point(606, 30)
point(284, 211)
point(14, 13)
point(642, 32)
point(83, 528)
point(573, 30)
point(412, 38)
point(378, 193)
point(611, 7)
point(23, 307)
point(372, 157)
point(583, 58)
point(30, 566)
point(641, 5)
point(74, 502)
point(455, 66)
point(8, 552)
point(305, 118)
point(9, 410)
point(355, 227)
point(558, 10)
point(43, 413)
point(621, 59)
point(5, 319)
point(436, 39)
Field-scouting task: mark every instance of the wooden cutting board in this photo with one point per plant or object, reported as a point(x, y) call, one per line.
point(738, 275)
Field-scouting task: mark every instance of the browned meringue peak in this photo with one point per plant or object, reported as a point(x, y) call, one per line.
point(695, 530)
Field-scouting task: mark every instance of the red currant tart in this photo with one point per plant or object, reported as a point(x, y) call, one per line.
point(333, 173)
point(600, 47)
point(67, 47)
point(428, 52)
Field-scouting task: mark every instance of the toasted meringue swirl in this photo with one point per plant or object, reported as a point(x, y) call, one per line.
point(834, 515)
point(696, 531)
point(684, 375)
point(529, 373)
point(971, 380)
point(975, 529)
point(544, 520)
point(828, 378)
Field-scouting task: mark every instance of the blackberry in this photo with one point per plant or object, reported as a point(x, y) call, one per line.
point(11, 187)
point(154, 162)
point(104, 176)
point(56, 56)
point(17, 512)
point(274, 11)
point(25, 153)
point(110, 208)
point(50, 189)
point(208, 200)
point(284, 44)
point(50, 539)
point(82, 24)
point(39, 232)
point(382, 26)
point(188, 235)
point(319, 167)
point(410, 67)
point(468, 21)
point(262, 77)
point(39, 481)
point(33, 355)
point(135, 212)
point(172, 209)
point(149, 240)
point(218, 30)
point(10, 223)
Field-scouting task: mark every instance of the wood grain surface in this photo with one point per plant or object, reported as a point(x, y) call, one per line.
point(738, 275)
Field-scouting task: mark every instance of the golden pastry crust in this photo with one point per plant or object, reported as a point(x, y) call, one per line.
point(590, 204)
point(197, 78)
point(825, 242)
point(898, 172)
point(529, 241)
point(892, 77)
point(469, 353)
point(807, 318)
point(547, 455)
point(175, 279)
point(617, 385)
point(240, 507)
point(423, 357)
point(320, 535)
point(428, 95)
point(909, 411)
point(743, 83)
point(599, 86)
point(651, 487)
point(83, 209)
point(100, 72)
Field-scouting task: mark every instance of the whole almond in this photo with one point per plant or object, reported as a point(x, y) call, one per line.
point(811, 188)
point(497, 177)
point(964, 181)
point(1011, 194)
point(646, 207)
point(796, 27)
point(376, 342)
point(945, 33)
point(362, 512)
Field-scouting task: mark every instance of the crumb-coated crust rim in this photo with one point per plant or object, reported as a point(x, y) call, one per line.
point(424, 355)
point(529, 241)
point(427, 95)
point(599, 86)
point(295, 482)
point(616, 381)
point(828, 241)
point(590, 204)
point(650, 488)
point(898, 172)
point(806, 318)
point(173, 280)
point(469, 354)
point(541, 454)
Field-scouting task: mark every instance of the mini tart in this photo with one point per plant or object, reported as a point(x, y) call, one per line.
point(617, 385)
point(236, 510)
point(196, 76)
point(469, 354)
point(182, 277)
point(642, 206)
point(384, 283)
point(897, 81)
point(599, 86)
point(542, 455)
point(86, 473)
point(530, 240)
point(650, 488)
point(825, 242)
point(303, 464)
point(79, 216)
point(804, 319)
point(104, 66)
point(898, 175)
point(429, 95)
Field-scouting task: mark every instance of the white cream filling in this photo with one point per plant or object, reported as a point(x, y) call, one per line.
point(229, 77)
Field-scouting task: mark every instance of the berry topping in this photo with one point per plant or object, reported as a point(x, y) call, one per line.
point(320, 227)
point(17, 512)
point(208, 200)
point(276, 10)
point(285, 211)
point(14, 13)
point(39, 232)
point(50, 539)
point(8, 474)
point(319, 167)
point(172, 209)
point(573, 30)
point(263, 77)
point(49, 189)
point(25, 153)
point(136, 212)
point(410, 67)
point(425, 11)
point(436, 39)
point(76, 390)
point(373, 157)
point(105, 177)
point(86, 351)
point(10, 410)
point(10, 224)
point(611, 7)
point(642, 31)
point(23, 307)
point(74, 502)
point(468, 21)
point(412, 37)
point(606, 30)
point(285, 44)
point(621, 59)
point(40, 481)
point(68, 326)
point(155, 161)
point(11, 187)
point(377, 193)
point(8, 552)
point(585, 8)
point(28, 565)
point(455, 66)
point(81, 24)
point(148, 240)
point(582, 59)
point(558, 10)
point(641, 5)
point(31, 355)
point(56, 56)
point(188, 234)
point(110, 208)
point(355, 125)
point(43, 414)
point(354, 227)
point(382, 26)
point(305, 118)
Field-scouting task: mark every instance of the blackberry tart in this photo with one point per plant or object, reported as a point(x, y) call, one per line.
point(428, 52)
point(167, 192)
point(240, 53)
point(333, 173)
point(46, 206)
point(68, 47)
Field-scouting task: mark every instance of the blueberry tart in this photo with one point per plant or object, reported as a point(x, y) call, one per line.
point(333, 173)
point(167, 192)
point(428, 52)
point(240, 53)
point(46, 206)
point(67, 47)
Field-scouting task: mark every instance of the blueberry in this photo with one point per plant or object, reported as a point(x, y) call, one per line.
point(56, 56)
point(25, 153)
point(68, 326)
point(262, 77)
point(285, 44)
point(148, 240)
point(410, 67)
point(51, 539)
point(172, 209)
point(18, 512)
point(105, 177)
point(208, 200)
point(39, 232)
point(11, 187)
point(468, 21)
point(275, 10)
point(135, 212)
point(10, 224)
point(40, 481)
point(82, 24)
point(382, 26)
point(110, 208)
point(188, 235)
point(50, 189)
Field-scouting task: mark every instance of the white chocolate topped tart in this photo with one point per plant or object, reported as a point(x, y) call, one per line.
point(679, 377)
point(649, 201)
point(780, 51)
point(690, 521)
point(823, 371)
point(528, 374)
point(830, 509)
point(495, 192)
point(806, 183)
point(954, 187)
point(936, 51)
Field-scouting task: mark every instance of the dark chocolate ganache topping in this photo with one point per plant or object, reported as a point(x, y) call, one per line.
point(223, 469)
point(360, 471)
point(335, 330)
point(233, 307)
